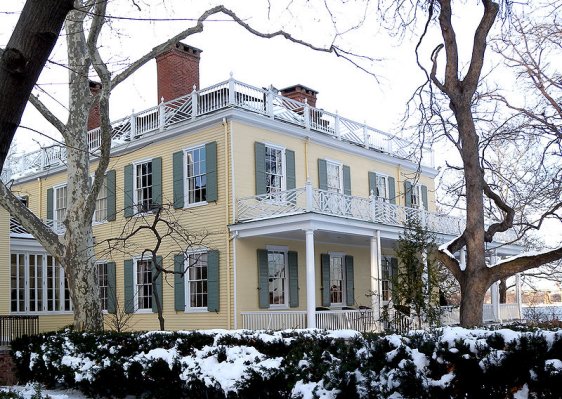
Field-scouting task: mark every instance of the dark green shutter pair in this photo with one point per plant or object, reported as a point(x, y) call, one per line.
point(391, 186)
point(408, 187)
point(128, 277)
point(323, 177)
point(212, 281)
point(211, 175)
point(129, 184)
point(261, 183)
point(263, 279)
point(349, 279)
point(111, 203)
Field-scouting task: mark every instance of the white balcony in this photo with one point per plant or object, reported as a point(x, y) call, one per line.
point(228, 94)
point(369, 209)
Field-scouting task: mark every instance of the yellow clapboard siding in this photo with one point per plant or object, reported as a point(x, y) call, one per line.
point(5, 260)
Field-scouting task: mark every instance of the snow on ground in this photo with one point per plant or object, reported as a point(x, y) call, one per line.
point(28, 391)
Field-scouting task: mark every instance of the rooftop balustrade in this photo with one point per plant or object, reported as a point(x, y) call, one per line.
point(230, 93)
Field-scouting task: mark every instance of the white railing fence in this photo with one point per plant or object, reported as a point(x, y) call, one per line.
point(230, 93)
point(360, 320)
point(369, 209)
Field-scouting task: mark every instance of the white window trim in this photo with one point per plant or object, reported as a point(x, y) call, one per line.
point(44, 289)
point(285, 250)
point(339, 305)
point(94, 222)
point(136, 259)
point(387, 198)
point(340, 166)
point(188, 308)
point(56, 221)
point(283, 163)
point(417, 188)
point(99, 262)
point(186, 203)
point(135, 195)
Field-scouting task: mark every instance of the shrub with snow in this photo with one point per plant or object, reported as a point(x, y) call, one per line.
point(445, 363)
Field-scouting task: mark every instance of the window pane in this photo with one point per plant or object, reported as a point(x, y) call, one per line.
point(336, 279)
point(274, 169)
point(196, 181)
point(143, 286)
point(197, 280)
point(143, 188)
point(277, 277)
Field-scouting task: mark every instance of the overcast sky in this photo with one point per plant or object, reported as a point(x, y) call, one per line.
point(379, 101)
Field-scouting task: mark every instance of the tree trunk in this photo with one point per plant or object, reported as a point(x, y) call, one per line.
point(472, 301)
point(31, 43)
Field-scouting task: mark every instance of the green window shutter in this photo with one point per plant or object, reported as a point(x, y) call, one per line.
point(349, 281)
point(393, 272)
point(290, 169)
point(158, 284)
point(129, 289)
point(260, 168)
point(179, 282)
point(157, 181)
point(177, 171)
point(211, 165)
point(263, 279)
point(111, 288)
point(424, 197)
point(408, 193)
point(372, 183)
point(293, 279)
point(213, 281)
point(128, 191)
point(346, 180)
point(110, 180)
point(392, 190)
point(322, 174)
point(325, 269)
point(50, 201)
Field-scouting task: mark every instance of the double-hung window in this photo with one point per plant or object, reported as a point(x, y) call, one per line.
point(100, 214)
point(389, 275)
point(103, 283)
point(60, 204)
point(381, 188)
point(278, 282)
point(142, 283)
point(196, 287)
point(142, 189)
point(337, 279)
point(274, 169)
point(196, 175)
point(335, 177)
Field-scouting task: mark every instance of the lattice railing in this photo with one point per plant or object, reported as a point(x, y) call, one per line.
point(368, 209)
point(230, 93)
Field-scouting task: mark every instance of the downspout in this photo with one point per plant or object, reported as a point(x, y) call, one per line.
point(233, 193)
point(227, 214)
point(307, 141)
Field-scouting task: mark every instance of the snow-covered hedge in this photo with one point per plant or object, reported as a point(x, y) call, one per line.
point(446, 363)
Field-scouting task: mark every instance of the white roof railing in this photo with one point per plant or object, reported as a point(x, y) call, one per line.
point(230, 93)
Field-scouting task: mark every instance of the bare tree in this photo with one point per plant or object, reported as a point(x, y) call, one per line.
point(157, 237)
point(23, 59)
point(449, 107)
point(74, 250)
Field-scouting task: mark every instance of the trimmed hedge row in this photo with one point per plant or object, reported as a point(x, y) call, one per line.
point(446, 363)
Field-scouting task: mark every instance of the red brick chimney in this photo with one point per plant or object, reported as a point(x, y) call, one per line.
point(94, 116)
point(178, 71)
point(299, 92)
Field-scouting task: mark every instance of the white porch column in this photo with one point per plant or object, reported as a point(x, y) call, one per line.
point(495, 294)
point(375, 276)
point(310, 281)
point(518, 294)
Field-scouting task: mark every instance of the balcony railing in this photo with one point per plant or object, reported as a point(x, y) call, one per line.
point(230, 93)
point(369, 209)
point(17, 230)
